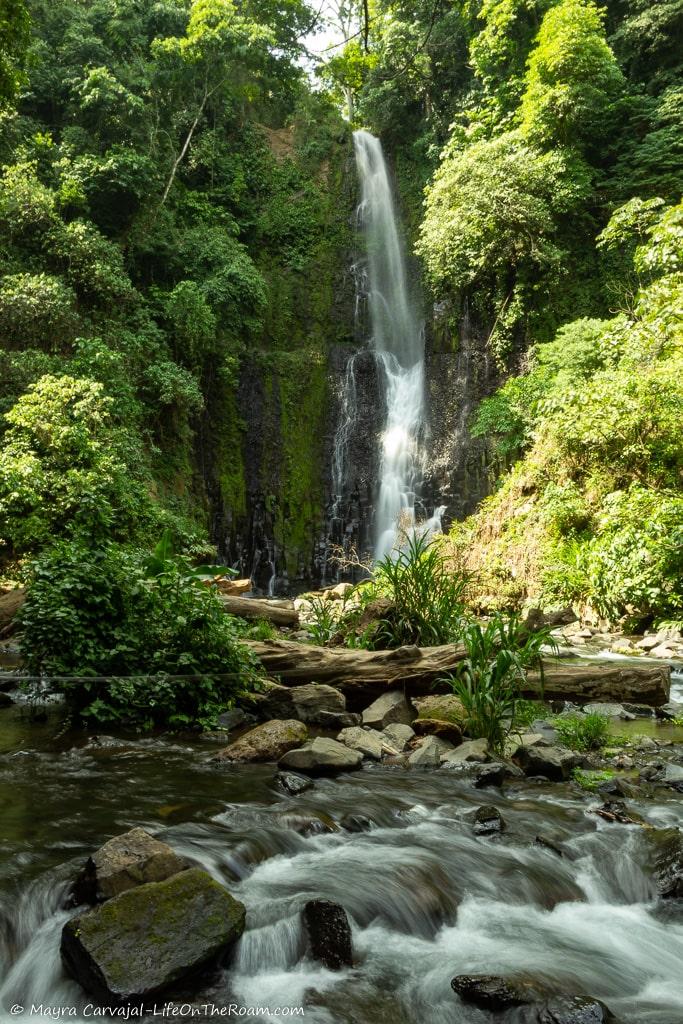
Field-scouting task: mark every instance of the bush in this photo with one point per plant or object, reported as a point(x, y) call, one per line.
point(111, 611)
point(63, 467)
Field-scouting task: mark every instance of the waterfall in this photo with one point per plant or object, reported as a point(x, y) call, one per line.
point(397, 339)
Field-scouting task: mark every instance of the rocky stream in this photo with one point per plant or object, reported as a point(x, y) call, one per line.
point(445, 880)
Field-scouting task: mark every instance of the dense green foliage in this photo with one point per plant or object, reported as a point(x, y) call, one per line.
point(593, 512)
point(171, 223)
point(106, 610)
point(548, 138)
point(169, 189)
point(589, 732)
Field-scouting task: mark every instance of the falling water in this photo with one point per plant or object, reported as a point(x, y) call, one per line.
point(398, 342)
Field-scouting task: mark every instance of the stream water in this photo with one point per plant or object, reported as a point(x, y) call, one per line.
point(427, 898)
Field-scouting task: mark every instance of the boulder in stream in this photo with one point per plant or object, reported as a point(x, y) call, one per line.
point(267, 742)
point(293, 783)
point(137, 944)
point(389, 708)
point(574, 1010)
point(488, 821)
point(667, 860)
point(444, 707)
point(329, 934)
point(555, 763)
point(430, 752)
point(307, 702)
point(369, 742)
point(322, 757)
point(492, 992)
point(398, 735)
point(437, 727)
point(470, 752)
point(122, 863)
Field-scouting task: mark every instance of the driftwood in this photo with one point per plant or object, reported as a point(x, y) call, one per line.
point(363, 675)
point(233, 588)
point(280, 613)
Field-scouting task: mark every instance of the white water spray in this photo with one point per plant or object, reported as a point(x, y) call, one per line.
point(398, 342)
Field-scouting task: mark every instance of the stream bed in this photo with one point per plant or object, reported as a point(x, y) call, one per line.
point(427, 898)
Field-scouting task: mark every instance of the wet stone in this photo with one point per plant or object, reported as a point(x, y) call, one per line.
point(355, 823)
point(293, 783)
point(492, 992)
point(329, 934)
point(575, 1010)
point(488, 821)
point(136, 945)
point(490, 775)
point(122, 863)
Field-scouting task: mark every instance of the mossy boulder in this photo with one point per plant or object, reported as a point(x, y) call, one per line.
point(441, 708)
point(138, 944)
point(267, 742)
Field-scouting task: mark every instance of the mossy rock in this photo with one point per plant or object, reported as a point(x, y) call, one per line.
point(138, 944)
point(440, 707)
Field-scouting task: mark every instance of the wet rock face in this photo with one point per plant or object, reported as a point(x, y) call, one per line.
point(124, 862)
point(136, 945)
point(329, 934)
point(292, 783)
point(267, 742)
point(667, 848)
point(574, 1010)
point(492, 992)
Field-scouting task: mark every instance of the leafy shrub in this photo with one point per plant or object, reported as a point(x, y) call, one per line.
point(587, 733)
point(112, 611)
point(489, 680)
point(37, 309)
point(63, 469)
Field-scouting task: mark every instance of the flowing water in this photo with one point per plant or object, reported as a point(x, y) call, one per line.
point(426, 897)
point(397, 338)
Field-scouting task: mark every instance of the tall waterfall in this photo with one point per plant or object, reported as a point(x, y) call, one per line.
point(398, 341)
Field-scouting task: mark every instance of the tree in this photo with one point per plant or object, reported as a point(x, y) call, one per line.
point(218, 44)
point(63, 469)
point(573, 80)
point(491, 222)
point(15, 28)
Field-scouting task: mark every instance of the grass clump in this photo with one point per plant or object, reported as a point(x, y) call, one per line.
point(587, 733)
point(489, 681)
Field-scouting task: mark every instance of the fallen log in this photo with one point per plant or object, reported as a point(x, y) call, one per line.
point(280, 613)
point(233, 588)
point(364, 675)
point(603, 682)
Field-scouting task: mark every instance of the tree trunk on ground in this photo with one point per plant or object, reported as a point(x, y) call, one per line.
point(363, 675)
point(280, 613)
